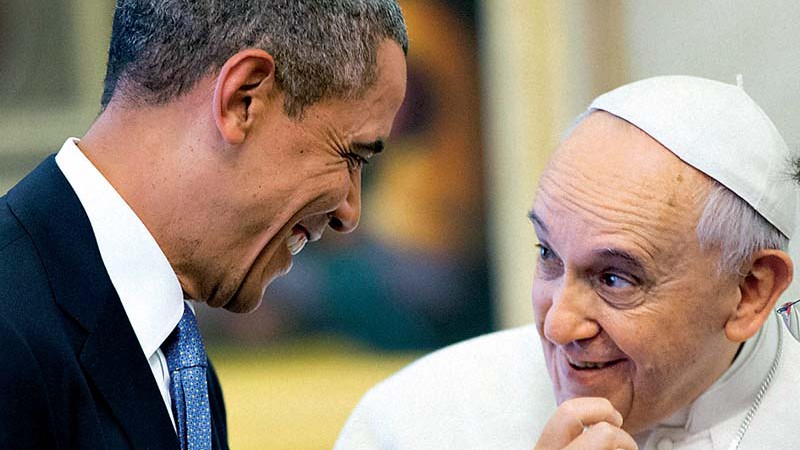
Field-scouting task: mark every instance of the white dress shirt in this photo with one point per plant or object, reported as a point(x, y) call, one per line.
point(143, 278)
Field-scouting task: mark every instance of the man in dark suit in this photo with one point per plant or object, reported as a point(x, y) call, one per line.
point(231, 134)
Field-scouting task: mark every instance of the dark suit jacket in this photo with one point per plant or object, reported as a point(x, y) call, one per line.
point(72, 373)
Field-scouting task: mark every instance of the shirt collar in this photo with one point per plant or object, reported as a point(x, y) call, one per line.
point(143, 278)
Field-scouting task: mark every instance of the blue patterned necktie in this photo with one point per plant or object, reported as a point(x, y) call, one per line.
point(186, 360)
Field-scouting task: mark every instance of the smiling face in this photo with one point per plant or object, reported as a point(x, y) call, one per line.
point(627, 305)
point(290, 180)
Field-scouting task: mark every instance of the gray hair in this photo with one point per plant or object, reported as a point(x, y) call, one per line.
point(323, 49)
point(731, 225)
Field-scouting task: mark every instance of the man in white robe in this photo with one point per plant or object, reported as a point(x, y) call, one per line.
point(663, 221)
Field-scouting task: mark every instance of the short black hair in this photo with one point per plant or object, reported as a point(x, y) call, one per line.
point(323, 49)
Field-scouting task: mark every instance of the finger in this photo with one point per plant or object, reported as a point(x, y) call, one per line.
point(572, 416)
point(603, 436)
point(591, 410)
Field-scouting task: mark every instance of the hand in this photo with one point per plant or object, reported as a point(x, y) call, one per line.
point(585, 423)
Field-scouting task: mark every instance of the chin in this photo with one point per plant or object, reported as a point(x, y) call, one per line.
point(240, 306)
point(246, 300)
point(250, 294)
point(241, 300)
point(634, 425)
point(247, 296)
point(633, 421)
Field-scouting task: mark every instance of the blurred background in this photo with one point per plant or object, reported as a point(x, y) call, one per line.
point(445, 251)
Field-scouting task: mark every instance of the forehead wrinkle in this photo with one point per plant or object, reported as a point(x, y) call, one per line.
point(658, 229)
point(603, 195)
point(613, 183)
point(645, 244)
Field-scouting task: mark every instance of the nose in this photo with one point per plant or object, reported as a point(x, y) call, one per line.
point(570, 316)
point(344, 219)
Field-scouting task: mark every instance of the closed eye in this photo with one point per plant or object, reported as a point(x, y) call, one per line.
point(354, 160)
point(359, 153)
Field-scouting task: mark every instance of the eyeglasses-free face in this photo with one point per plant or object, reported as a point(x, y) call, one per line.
point(791, 317)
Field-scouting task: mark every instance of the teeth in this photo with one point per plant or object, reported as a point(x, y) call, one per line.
point(586, 364)
point(589, 365)
point(296, 242)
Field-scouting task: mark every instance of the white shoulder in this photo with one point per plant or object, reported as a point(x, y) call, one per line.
point(481, 361)
point(492, 391)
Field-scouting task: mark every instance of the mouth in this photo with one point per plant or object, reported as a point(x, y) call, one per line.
point(591, 365)
point(298, 239)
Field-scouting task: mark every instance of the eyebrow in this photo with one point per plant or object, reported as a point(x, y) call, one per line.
point(372, 148)
point(537, 222)
point(627, 259)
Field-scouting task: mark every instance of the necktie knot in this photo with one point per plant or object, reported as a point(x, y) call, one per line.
point(184, 348)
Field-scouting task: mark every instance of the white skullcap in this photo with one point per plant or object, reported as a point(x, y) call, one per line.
point(717, 129)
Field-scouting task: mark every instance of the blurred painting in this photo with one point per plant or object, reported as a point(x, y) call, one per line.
point(414, 274)
point(35, 41)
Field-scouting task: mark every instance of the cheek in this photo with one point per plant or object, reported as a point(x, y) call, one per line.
point(337, 189)
point(328, 188)
point(664, 379)
point(645, 335)
point(541, 299)
point(665, 349)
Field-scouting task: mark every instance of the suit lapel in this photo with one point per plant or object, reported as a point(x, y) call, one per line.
point(114, 361)
point(111, 356)
point(219, 430)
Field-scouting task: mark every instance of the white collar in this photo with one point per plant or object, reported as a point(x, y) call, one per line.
point(145, 281)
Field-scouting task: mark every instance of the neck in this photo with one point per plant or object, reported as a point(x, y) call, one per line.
point(156, 158)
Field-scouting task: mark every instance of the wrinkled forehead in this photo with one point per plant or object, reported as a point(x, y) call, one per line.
point(610, 172)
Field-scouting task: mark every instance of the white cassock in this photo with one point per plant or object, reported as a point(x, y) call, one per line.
point(493, 392)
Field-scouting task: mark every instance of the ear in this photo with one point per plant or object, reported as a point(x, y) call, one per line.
point(243, 85)
point(769, 274)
